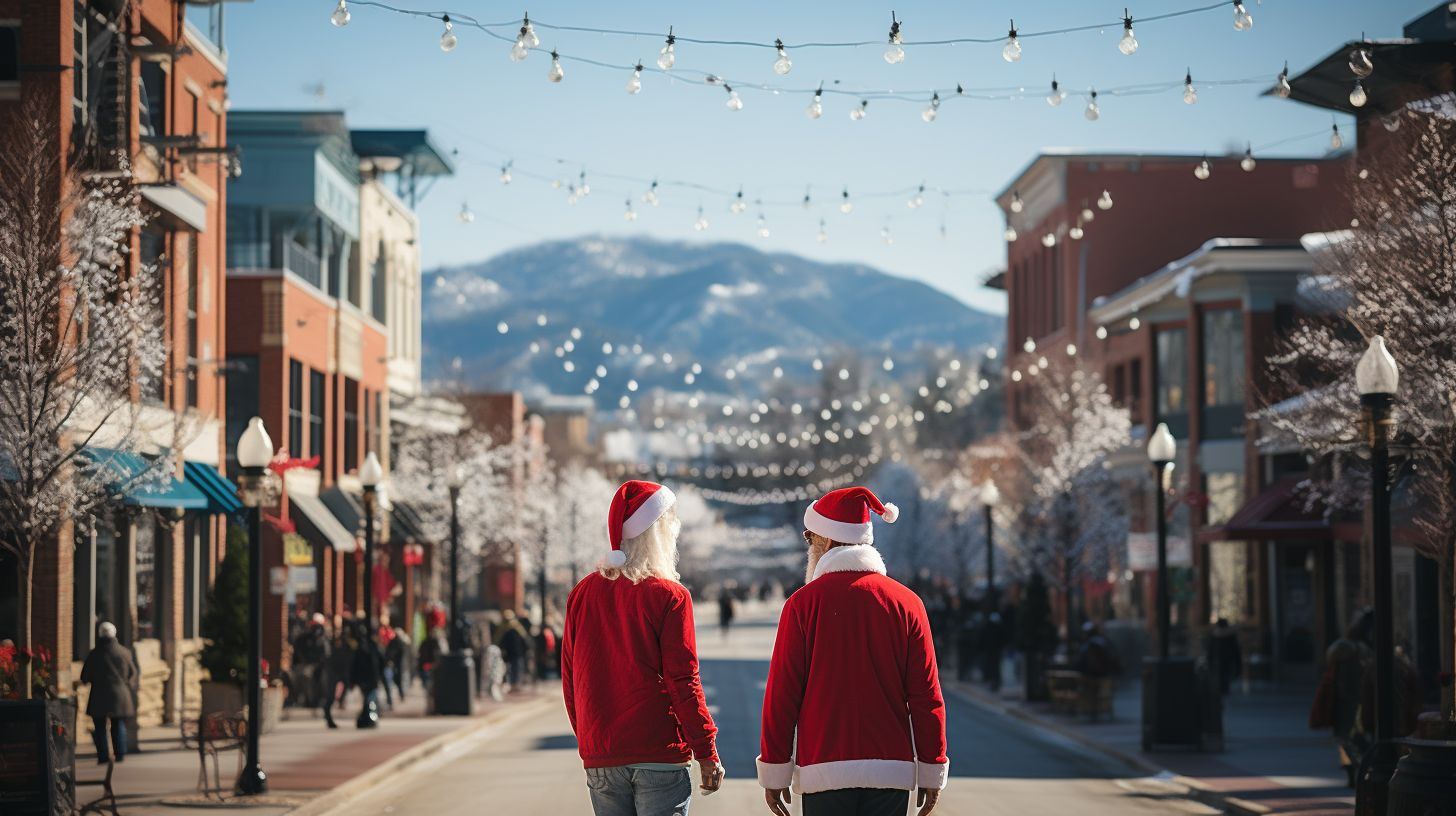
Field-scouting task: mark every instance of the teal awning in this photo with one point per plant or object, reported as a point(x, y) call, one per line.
point(123, 472)
point(222, 495)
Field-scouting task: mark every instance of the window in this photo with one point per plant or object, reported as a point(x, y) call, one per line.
point(1135, 385)
point(192, 320)
point(373, 409)
point(295, 407)
point(242, 401)
point(147, 615)
point(316, 391)
point(154, 99)
point(380, 274)
point(351, 425)
point(9, 53)
point(1224, 381)
point(78, 68)
point(1172, 380)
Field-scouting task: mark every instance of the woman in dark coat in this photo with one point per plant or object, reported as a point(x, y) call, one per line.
point(111, 672)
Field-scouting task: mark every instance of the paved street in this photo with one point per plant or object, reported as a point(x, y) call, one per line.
point(998, 765)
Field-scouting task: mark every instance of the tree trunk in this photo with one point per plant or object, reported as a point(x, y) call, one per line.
point(1446, 599)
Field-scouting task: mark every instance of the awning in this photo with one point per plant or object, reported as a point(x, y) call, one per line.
point(222, 495)
point(1278, 514)
point(127, 474)
point(178, 205)
point(403, 523)
point(319, 523)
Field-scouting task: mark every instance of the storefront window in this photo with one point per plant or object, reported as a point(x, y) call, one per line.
point(1172, 380)
point(146, 579)
point(1223, 374)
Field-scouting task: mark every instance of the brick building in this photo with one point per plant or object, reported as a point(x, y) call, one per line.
point(142, 82)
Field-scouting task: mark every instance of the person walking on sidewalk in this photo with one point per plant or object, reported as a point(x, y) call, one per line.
point(852, 658)
point(629, 667)
point(515, 644)
point(725, 610)
point(111, 672)
point(1346, 661)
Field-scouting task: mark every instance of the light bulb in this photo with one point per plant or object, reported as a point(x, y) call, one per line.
point(1357, 96)
point(917, 199)
point(783, 64)
point(860, 112)
point(650, 197)
point(1101, 332)
point(930, 110)
point(466, 216)
point(1282, 90)
point(1029, 346)
point(1104, 201)
point(739, 205)
point(762, 230)
point(1335, 141)
point(1087, 212)
point(846, 206)
point(505, 176)
point(1201, 171)
point(1243, 20)
point(894, 54)
point(447, 40)
point(629, 215)
point(734, 103)
point(1092, 111)
point(341, 15)
point(815, 109)
point(822, 237)
point(806, 199)
point(1016, 204)
point(666, 58)
point(1128, 43)
point(528, 34)
point(702, 223)
point(1190, 95)
point(1049, 240)
point(519, 51)
point(555, 73)
point(634, 83)
point(1247, 162)
point(1360, 64)
point(885, 236)
point(1391, 121)
point(1075, 233)
point(1134, 324)
point(1010, 235)
point(1056, 96)
point(1012, 51)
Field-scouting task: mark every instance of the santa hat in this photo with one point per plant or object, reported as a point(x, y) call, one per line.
point(635, 508)
point(844, 515)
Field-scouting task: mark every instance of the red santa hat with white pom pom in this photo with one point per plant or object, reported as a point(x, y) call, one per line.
point(844, 515)
point(635, 508)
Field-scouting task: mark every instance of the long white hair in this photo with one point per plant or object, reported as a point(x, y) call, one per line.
point(652, 554)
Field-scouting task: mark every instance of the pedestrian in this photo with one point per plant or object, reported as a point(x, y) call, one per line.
point(336, 675)
point(968, 644)
point(993, 640)
point(1338, 696)
point(310, 661)
point(629, 667)
point(725, 610)
point(545, 651)
point(853, 657)
point(1096, 657)
point(515, 646)
point(431, 650)
point(365, 672)
point(398, 659)
point(1224, 655)
point(112, 672)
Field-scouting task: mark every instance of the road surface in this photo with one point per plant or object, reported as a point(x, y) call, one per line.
point(999, 765)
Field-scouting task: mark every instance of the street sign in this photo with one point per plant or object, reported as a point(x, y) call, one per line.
point(1142, 551)
point(297, 552)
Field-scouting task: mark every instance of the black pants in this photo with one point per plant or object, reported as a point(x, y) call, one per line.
point(857, 802)
point(118, 737)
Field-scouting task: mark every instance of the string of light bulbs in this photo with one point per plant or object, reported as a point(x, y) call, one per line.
point(527, 40)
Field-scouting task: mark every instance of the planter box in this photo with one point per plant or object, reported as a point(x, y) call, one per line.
point(226, 698)
point(38, 738)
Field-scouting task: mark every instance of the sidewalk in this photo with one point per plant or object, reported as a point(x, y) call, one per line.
point(1272, 762)
point(309, 765)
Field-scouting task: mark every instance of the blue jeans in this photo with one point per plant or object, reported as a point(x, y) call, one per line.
point(118, 737)
point(624, 791)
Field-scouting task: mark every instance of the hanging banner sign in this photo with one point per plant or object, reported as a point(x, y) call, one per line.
point(1142, 551)
point(297, 552)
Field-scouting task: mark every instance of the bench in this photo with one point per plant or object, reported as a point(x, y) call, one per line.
point(1075, 693)
point(107, 801)
point(218, 732)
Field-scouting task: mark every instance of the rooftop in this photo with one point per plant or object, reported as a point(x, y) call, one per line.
point(417, 152)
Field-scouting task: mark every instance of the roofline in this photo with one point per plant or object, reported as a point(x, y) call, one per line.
point(1072, 154)
point(1153, 287)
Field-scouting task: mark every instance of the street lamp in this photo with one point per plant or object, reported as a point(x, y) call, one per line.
point(456, 481)
point(453, 681)
point(989, 498)
point(1376, 376)
point(370, 475)
point(254, 451)
point(1162, 450)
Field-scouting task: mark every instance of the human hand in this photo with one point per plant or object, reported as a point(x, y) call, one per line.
point(712, 776)
point(926, 800)
point(775, 806)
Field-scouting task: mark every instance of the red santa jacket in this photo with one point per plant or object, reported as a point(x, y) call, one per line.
point(854, 673)
point(629, 672)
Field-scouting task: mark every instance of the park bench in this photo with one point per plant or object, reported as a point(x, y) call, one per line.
point(1075, 693)
point(213, 733)
point(106, 802)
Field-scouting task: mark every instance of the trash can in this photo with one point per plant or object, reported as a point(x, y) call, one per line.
point(454, 683)
point(1172, 716)
point(1424, 783)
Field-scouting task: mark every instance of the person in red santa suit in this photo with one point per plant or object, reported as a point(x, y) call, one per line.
point(629, 667)
point(852, 658)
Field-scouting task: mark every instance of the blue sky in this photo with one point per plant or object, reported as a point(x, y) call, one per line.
point(387, 70)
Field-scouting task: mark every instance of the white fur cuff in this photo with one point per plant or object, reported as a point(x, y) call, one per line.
point(773, 776)
point(931, 776)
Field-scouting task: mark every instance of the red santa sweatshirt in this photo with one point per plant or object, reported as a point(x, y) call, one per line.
point(854, 674)
point(629, 672)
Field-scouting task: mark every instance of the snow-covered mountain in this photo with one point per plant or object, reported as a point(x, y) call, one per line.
point(648, 311)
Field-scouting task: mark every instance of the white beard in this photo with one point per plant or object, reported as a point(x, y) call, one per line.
point(816, 551)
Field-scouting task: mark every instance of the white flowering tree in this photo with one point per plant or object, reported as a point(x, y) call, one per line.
point(1391, 273)
point(1074, 514)
point(583, 500)
point(80, 337)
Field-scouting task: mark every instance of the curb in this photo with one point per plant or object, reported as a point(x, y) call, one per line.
point(1198, 790)
point(391, 769)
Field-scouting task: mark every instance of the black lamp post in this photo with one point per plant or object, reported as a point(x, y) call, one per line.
point(1377, 377)
point(254, 450)
point(989, 497)
point(371, 473)
point(1162, 450)
point(453, 681)
point(457, 635)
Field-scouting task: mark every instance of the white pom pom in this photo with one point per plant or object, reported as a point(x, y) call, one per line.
point(616, 559)
point(891, 513)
